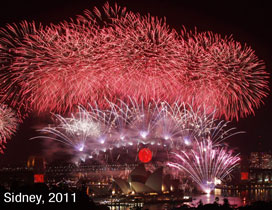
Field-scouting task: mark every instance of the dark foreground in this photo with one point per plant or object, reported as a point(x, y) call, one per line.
point(259, 205)
point(40, 196)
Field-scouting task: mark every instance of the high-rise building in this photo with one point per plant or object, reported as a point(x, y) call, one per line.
point(266, 161)
point(260, 167)
point(260, 160)
point(254, 160)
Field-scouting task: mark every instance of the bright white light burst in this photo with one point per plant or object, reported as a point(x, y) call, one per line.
point(157, 125)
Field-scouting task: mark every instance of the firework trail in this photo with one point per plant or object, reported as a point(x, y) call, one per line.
point(158, 63)
point(158, 125)
point(230, 76)
point(205, 164)
point(148, 52)
point(116, 54)
point(82, 131)
point(11, 70)
point(8, 125)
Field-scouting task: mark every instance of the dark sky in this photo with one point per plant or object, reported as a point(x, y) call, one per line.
point(248, 23)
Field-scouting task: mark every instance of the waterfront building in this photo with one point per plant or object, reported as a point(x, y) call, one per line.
point(260, 168)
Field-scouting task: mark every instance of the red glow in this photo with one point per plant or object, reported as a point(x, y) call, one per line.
point(244, 175)
point(38, 178)
point(128, 56)
point(145, 155)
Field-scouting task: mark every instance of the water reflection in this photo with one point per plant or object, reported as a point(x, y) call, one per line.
point(235, 198)
point(233, 201)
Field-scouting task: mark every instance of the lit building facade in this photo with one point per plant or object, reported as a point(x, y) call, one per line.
point(260, 167)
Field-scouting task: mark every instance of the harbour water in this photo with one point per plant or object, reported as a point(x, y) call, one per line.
point(236, 198)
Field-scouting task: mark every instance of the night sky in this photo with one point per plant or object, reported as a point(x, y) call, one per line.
point(248, 23)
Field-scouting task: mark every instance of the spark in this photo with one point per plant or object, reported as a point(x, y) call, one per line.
point(117, 54)
point(8, 125)
point(171, 127)
point(205, 164)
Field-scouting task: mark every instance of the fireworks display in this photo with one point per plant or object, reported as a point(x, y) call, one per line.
point(11, 71)
point(205, 164)
point(116, 54)
point(116, 79)
point(157, 125)
point(195, 137)
point(8, 125)
point(83, 131)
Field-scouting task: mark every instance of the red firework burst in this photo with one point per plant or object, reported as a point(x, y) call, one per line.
point(8, 125)
point(117, 54)
point(11, 70)
point(224, 74)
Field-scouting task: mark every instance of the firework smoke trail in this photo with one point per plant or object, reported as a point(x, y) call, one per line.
point(117, 54)
point(205, 164)
point(158, 125)
point(8, 125)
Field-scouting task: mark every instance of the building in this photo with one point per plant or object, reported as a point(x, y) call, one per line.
point(142, 181)
point(260, 167)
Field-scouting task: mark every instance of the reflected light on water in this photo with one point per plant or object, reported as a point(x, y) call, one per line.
point(235, 197)
point(217, 191)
